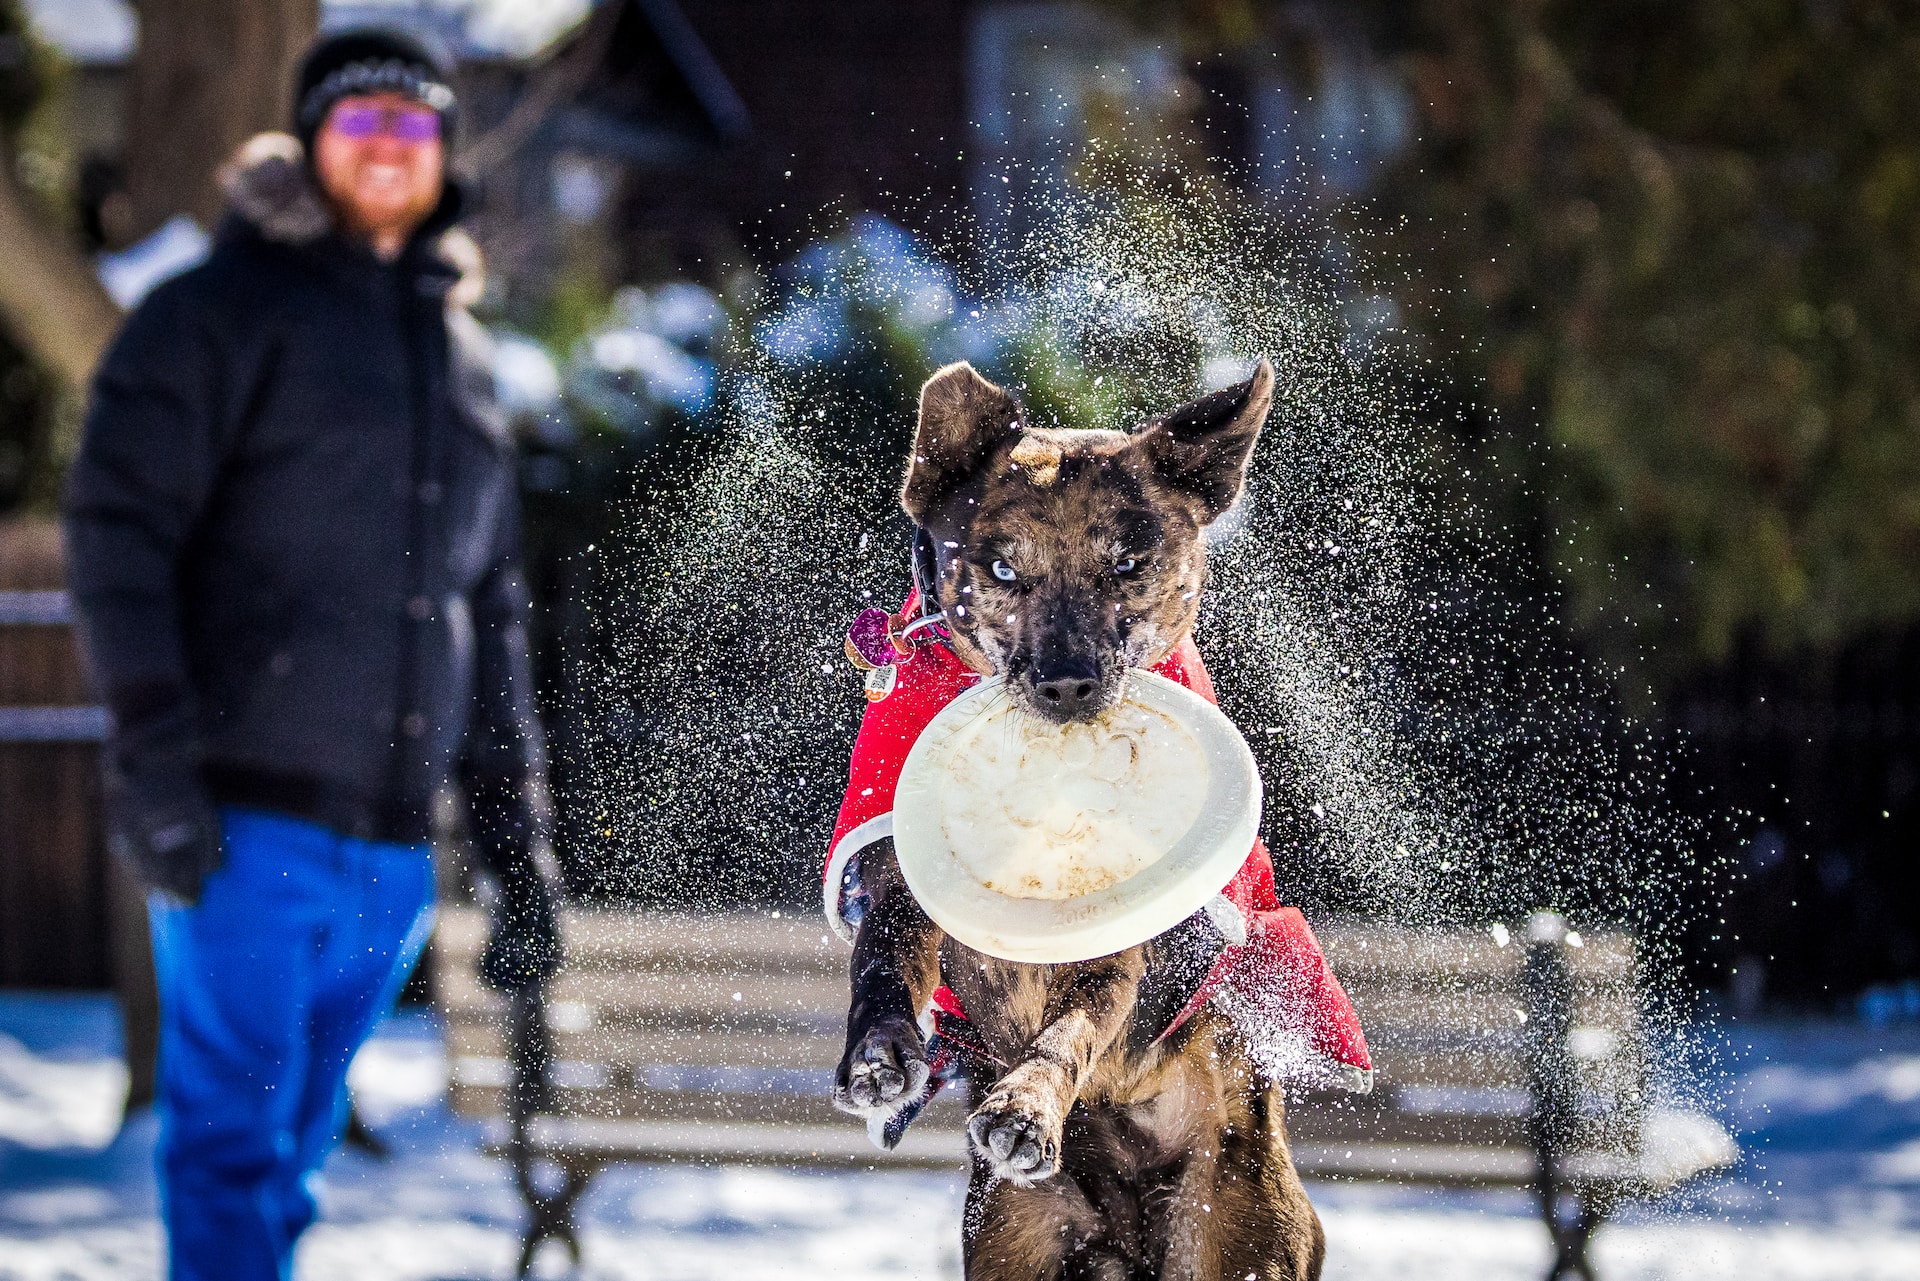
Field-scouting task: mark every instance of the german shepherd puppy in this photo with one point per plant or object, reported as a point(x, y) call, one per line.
point(1062, 558)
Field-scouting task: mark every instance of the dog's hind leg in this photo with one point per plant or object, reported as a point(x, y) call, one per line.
point(1017, 1127)
point(1239, 1209)
point(1034, 1233)
point(896, 967)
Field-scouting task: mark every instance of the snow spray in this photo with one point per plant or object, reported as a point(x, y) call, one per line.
point(1434, 750)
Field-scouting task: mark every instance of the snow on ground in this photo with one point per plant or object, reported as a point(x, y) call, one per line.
point(1829, 1115)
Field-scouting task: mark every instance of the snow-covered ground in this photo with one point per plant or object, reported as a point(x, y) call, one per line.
point(1829, 1114)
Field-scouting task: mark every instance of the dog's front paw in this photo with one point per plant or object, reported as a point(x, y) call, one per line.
point(1019, 1141)
point(883, 1071)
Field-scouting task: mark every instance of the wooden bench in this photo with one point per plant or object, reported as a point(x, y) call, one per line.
point(70, 917)
point(1504, 1057)
point(713, 1039)
point(668, 1038)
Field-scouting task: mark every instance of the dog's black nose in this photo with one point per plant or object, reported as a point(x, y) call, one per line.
point(1068, 697)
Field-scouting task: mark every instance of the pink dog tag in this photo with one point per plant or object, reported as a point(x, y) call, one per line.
point(870, 640)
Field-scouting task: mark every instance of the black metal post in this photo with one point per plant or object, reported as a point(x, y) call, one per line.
point(1571, 1212)
point(530, 1093)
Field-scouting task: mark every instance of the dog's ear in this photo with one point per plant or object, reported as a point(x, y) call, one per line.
point(962, 418)
point(1202, 448)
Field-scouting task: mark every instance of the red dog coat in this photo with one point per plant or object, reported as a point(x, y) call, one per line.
point(1272, 980)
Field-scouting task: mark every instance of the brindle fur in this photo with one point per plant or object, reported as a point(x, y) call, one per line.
point(1101, 1152)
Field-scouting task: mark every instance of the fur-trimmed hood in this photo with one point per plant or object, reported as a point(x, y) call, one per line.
point(270, 188)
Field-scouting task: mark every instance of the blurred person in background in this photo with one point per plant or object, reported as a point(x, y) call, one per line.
point(293, 539)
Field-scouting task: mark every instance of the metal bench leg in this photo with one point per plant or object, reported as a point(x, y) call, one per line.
point(1572, 1230)
point(550, 1214)
point(530, 1050)
point(1571, 1213)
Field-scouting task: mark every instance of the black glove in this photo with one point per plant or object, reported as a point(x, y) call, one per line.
point(523, 946)
point(160, 821)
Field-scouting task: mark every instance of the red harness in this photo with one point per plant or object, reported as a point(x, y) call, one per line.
point(1273, 980)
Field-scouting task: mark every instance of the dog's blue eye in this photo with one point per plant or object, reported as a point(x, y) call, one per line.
point(1003, 571)
point(1126, 566)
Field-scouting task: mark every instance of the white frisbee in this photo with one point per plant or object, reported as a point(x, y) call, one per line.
point(1045, 843)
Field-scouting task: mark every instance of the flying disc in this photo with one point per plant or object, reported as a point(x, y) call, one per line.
point(1051, 843)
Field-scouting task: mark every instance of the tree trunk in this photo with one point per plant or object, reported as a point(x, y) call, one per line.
point(207, 75)
point(50, 300)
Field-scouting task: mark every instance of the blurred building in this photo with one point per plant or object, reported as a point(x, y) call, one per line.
point(684, 134)
point(681, 136)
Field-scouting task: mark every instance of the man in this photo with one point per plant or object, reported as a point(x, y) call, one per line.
point(293, 542)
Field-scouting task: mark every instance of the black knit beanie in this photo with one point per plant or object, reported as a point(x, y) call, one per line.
point(370, 60)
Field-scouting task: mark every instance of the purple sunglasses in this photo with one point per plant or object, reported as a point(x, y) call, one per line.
point(407, 124)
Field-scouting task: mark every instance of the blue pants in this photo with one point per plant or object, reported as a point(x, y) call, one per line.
point(267, 987)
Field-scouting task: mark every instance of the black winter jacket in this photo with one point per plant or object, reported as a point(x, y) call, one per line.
point(293, 532)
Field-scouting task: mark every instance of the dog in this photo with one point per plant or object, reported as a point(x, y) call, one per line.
point(1102, 1148)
